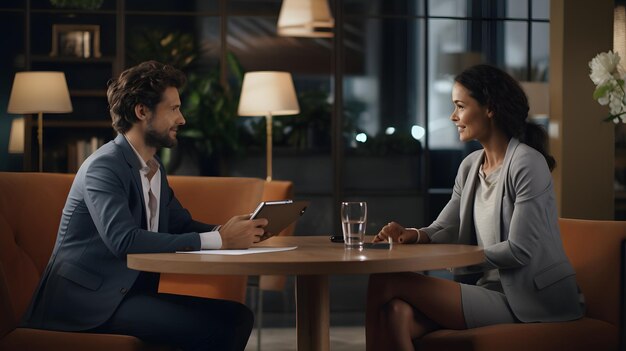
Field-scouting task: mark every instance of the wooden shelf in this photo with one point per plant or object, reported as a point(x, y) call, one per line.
point(86, 78)
point(75, 11)
point(88, 93)
point(74, 124)
point(69, 59)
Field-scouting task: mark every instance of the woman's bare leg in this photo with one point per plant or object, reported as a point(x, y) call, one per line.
point(404, 323)
point(405, 306)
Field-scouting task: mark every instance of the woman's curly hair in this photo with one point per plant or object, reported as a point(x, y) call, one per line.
point(502, 94)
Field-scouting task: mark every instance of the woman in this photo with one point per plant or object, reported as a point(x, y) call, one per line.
point(503, 200)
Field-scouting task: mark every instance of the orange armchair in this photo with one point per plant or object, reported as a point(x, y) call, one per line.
point(30, 212)
point(215, 202)
point(595, 250)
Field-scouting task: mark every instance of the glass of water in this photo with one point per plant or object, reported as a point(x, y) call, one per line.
point(353, 222)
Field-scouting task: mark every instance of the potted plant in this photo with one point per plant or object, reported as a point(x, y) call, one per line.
point(210, 109)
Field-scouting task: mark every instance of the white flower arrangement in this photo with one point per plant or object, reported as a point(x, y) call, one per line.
point(608, 76)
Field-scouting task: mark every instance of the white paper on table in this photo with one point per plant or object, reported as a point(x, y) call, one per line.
point(252, 250)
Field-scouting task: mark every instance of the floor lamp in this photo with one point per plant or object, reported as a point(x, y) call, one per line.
point(268, 94)
point(39, 92)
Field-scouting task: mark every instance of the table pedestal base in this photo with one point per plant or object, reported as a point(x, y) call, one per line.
point(312, 312)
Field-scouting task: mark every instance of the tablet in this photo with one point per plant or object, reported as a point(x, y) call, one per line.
point(279, 215)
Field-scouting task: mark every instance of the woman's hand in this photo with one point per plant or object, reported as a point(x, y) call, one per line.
point(397, 233)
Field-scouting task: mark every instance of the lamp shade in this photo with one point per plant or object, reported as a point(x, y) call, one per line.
point(16, 139)
point(35, 92)
point(305, 18)
point(267, 92)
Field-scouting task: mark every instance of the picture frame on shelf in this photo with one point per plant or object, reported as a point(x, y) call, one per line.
point(76, 40)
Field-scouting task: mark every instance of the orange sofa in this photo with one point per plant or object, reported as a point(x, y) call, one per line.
point(595, 249)
point(30, 211)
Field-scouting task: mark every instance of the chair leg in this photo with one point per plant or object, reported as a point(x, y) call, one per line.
point(285, 299)
point(259, 317)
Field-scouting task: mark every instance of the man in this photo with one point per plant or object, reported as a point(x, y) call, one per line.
point(120, 203)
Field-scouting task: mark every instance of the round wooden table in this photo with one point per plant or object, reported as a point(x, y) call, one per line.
point(312, 262)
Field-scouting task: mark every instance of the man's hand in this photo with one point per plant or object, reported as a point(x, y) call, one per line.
point(240, 232)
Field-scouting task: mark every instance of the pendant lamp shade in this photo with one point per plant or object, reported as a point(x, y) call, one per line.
point(305, 18)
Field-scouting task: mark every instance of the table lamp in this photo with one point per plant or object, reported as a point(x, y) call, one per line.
point(305, 18)
point(39, 92)
point(268, 94)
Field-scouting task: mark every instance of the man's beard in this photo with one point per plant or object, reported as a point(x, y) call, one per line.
point(158, 140)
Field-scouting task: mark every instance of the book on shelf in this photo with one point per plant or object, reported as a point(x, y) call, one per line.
point(78, 151)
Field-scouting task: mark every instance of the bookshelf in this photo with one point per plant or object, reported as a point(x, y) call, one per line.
point(35, 25)
point(87, 68)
